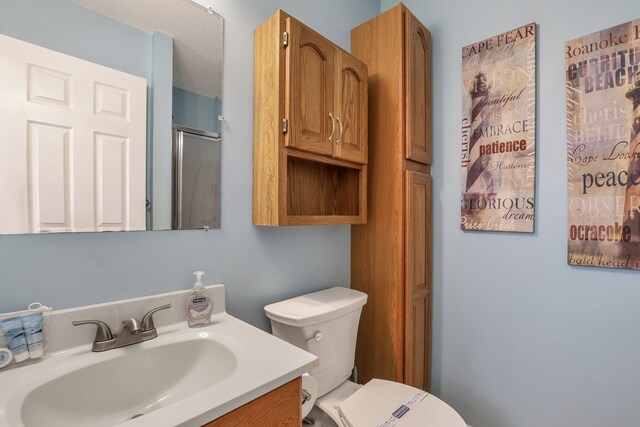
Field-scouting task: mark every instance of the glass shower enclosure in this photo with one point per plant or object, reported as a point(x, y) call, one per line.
point(196, 179)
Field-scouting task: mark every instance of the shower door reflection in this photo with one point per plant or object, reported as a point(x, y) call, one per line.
point(196, 179)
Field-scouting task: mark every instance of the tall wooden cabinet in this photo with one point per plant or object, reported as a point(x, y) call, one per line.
point(310, 128)
point(391, 254)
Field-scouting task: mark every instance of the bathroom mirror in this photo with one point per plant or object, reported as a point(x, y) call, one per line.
point(91, 95)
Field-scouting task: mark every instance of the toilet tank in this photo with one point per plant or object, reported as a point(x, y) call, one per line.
point(324, 323)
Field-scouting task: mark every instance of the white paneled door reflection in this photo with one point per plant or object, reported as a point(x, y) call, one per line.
point(72, 144)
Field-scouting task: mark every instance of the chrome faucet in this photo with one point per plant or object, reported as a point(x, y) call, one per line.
point(132, 331)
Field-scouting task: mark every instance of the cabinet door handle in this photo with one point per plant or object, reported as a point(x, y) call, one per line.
point(341, 130)
point(333, 126)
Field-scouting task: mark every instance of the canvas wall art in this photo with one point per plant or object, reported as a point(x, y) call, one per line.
point(499, 132)
point(603, 141)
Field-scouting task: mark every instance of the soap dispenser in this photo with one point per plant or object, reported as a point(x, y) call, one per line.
point(199, 304)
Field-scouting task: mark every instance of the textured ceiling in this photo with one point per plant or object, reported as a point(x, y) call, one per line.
point(197, 37)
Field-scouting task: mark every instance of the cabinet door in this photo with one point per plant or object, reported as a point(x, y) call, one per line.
point(309, 86)
point(418, 279)
point(351, 108)
point(418, 78)
point(278, 408)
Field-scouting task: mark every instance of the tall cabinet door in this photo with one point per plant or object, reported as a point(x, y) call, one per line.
point(418, 90)
point(309, 90)
point(351, 108)
point(417, 279)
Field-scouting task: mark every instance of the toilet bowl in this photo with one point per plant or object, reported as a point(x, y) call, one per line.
point(325, 323)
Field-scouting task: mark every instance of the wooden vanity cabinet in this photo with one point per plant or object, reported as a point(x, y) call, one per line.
point(278, 408)
point(310, 128)
point(391, 254)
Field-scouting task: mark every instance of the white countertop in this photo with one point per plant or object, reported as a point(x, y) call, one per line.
point(264, 362)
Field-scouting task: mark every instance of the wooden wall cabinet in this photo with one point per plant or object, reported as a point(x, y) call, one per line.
point(278, 408)
point(310, 128)
point(391, 254)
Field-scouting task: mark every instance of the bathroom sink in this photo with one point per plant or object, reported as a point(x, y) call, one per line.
point(185, 377)
point(132, 384)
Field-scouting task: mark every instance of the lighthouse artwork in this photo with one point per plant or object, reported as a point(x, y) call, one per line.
point(499, 132)
point(603, 147)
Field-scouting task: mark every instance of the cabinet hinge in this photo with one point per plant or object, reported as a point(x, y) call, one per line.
point(285, 39)
point(285, 125)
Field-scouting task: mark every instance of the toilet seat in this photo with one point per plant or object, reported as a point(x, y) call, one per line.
point(382, 403)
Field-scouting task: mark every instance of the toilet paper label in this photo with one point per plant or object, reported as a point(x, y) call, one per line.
point(403, 410)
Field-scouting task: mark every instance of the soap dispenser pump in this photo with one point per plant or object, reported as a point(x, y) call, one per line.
point(199, 304)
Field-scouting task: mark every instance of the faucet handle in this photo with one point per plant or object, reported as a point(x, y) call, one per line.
point(103, 332)
point(147, 320)
point(132, 325)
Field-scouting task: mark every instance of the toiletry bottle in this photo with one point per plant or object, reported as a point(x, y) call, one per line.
point(199, 304)
point(14, 334)
point(3, 339)
point(32, 325)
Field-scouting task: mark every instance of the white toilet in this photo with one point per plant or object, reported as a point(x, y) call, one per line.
point(325, 323)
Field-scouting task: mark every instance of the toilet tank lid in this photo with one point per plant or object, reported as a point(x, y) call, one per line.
point(316, 307)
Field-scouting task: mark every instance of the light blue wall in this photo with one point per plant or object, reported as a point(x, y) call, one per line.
point(196, 111)
point(258, 265)
point(161, 149)
point(520, 338)
point(386, 4)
